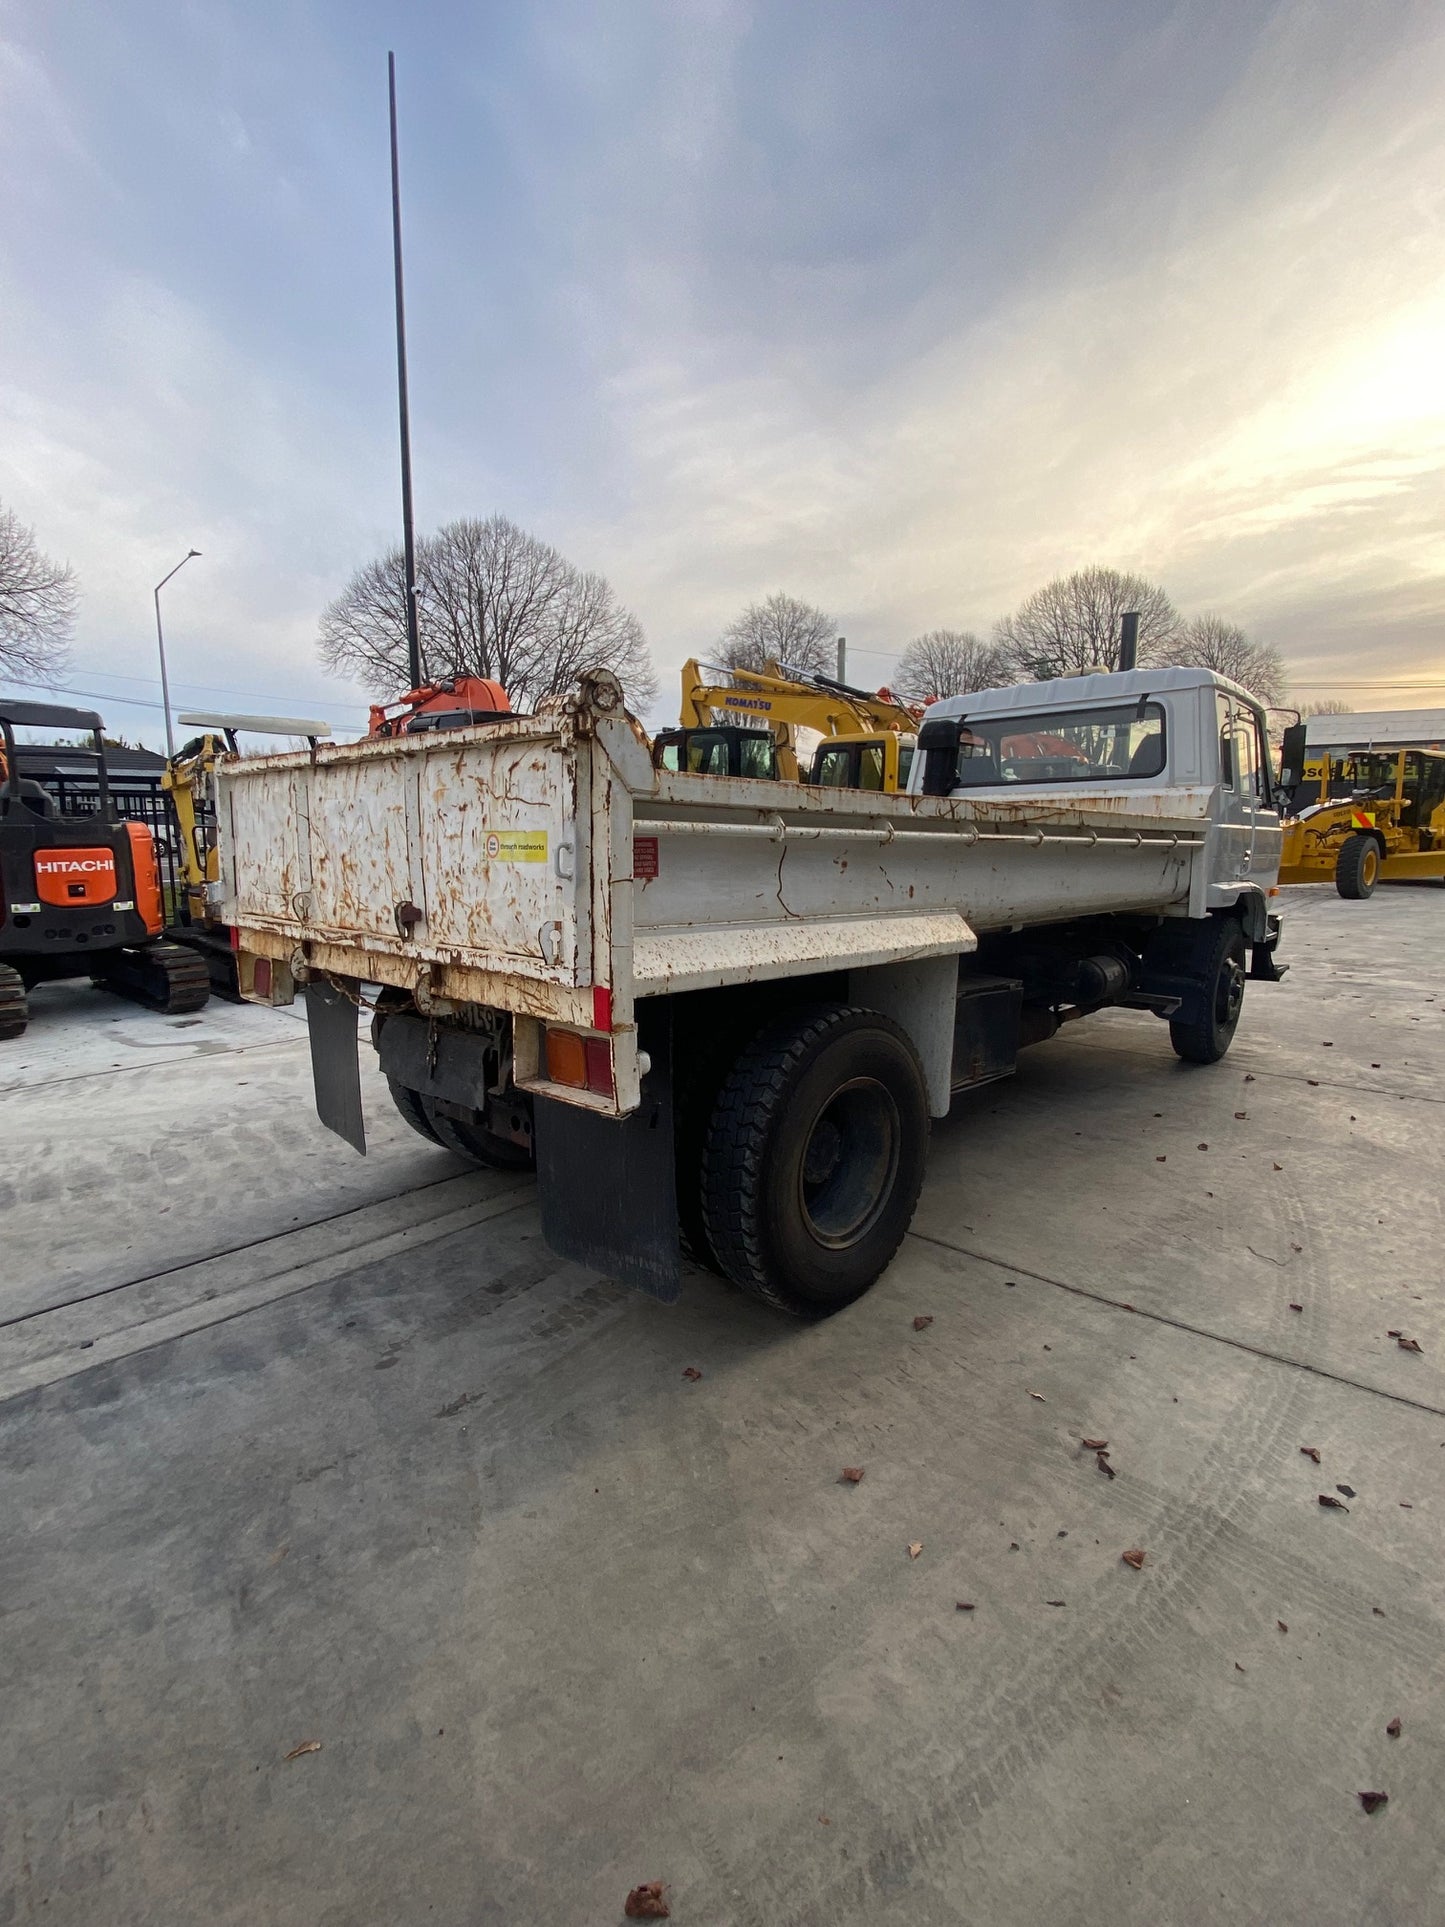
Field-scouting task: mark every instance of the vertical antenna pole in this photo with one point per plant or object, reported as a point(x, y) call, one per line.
point(842, 659)
point(413, 638)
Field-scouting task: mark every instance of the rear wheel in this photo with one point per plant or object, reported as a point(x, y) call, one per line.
point(411, 1107)
point(14, 1005)
point(471, 1139)
point(814, 1159)
point(1206, 1035)
point(1357, 868)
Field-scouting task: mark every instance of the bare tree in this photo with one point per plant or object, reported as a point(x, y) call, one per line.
point(1209, 642)
point(37, 605)
point(950, 662)
point(1326, 706)
point(783, 630)
point(1071, 625)
point(491, 601)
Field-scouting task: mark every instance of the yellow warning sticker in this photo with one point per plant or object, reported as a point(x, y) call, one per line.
point(516, 846)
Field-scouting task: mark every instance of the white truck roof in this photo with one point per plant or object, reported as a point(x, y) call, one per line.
point(1377, 729)
point(1064, 692)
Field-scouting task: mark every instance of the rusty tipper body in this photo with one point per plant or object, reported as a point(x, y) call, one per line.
point(735, 1004)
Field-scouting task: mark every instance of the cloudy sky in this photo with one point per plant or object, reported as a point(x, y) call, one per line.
point(902, 308)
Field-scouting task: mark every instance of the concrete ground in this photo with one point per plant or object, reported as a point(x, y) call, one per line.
point(315, 1456)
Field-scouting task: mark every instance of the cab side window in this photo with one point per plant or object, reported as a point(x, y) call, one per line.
point(1226, 742)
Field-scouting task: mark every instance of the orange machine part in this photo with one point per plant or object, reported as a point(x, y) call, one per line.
point(457, 692)
point(68, 877)
point(148, 902)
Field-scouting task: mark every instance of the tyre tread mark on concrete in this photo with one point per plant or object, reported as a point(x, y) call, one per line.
point(1181, 1324)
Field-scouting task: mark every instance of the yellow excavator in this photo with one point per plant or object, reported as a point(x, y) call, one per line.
point(868, 737)
point(1380, 818)
point(189, 783)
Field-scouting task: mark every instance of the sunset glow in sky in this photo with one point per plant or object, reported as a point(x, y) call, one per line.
point(901, 309)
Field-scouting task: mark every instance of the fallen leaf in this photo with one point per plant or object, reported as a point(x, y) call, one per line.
point(1392, 1333)
point(1408, 1505)
point(1294, 1307)
point(1312, 1080)
point(1095, 1445)
point(824, 1821)
point(691, 1371)
point(1372, 1802)
point(306, 1746)
point(1161, 1160)
point(1328, 1042)
point(1203, 1147)
point(915, 1546)
point(1378, 1611)
point(646, 1902)
point(1249, 1077)
point(1040, 1397)
point(1329, 1499)
point(1296, 1247)
point(1408, 1344)
point(923, 1321)
point(1013, 1545)
point(1392, 1727)
point(1133, 1557)
point(1102, 1461)
point(1374, 1067)
point(1278, 1167)
point(963, 1605)
point(1311, 1452)
point(1348, 1490)
point(1241, 1115)
point(1237, 1667)
point(1055, 1602)
point(1280, 1623)
point(852, 1474)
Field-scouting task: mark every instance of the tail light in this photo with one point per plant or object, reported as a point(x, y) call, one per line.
point(582, 1063)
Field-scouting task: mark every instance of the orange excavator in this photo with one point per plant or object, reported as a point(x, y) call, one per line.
point(456, 702)
point(80, 889)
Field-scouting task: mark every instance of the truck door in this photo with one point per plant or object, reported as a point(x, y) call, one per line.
point(1238, 774)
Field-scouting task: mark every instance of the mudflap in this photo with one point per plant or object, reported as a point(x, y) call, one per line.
point(335, 1063)
point(607, 1186)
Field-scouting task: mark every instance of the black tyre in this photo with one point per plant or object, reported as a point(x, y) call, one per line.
point(14, 1004)
point(1206, 1035)
point(412, 1108)
point(814, 1158)
point(1357, 868)
point(475, 1141)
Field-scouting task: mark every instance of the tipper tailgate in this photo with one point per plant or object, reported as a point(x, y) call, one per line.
point(460, 848)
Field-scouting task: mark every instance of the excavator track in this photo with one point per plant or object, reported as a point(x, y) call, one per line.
point(163, 976)
point(14, 1005)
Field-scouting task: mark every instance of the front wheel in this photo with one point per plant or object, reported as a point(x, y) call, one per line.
point(1206, 1034)
point(814, 1158)
point(1357, 868)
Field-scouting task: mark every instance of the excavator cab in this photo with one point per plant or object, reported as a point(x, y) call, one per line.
point(456, 702)
point(880, 762)
point(721, 750)
point(80, 888)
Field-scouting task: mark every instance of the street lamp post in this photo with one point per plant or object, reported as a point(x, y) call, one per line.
point(161, 646)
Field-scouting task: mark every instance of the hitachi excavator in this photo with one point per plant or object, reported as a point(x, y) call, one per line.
point(80, 889)
point(868, 736)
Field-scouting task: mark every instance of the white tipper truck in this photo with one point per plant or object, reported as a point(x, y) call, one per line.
point(718, 1013)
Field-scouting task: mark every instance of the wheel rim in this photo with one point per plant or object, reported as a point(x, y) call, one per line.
point(1230, 998)
point(1369, 869)
point(849, 1163)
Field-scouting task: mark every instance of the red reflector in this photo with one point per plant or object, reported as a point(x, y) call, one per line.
point(601, 1007)
point(262, 979)
point(599, 1066)
point(235, 937)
